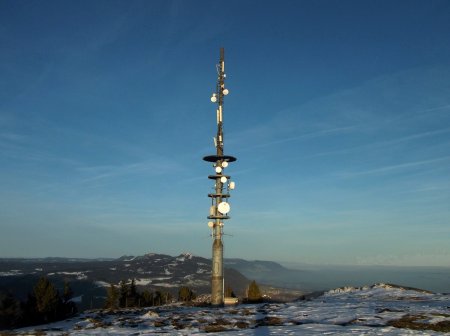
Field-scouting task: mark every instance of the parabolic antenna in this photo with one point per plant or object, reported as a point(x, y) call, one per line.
point(223, 179)
point(210, 224)
point(212, 210)
point(223, 208)
point(224, 164)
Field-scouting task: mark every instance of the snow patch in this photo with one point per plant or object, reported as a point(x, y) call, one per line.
point(359, 311)
point(161, 278)
point(79, 275)
point(101, 284)
point(184, 256)
point(167, 285)
point(143, 282)
point(77, 299)
point(150, 315)
point(11, 273)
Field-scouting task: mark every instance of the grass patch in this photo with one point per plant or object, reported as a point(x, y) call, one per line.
point(270, 321)
point(411, 322)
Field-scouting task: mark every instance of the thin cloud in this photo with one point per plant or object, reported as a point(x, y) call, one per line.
point(316, 134)
point(433, 109)
point(384, 143)
point(427, 189)
point(391, 168)
point(154, 167)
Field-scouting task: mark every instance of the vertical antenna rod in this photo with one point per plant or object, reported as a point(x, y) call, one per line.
point(219, 206)
point(219, 92)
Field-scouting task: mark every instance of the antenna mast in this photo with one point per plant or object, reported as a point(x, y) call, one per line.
point(219, 206)
point(219, 92)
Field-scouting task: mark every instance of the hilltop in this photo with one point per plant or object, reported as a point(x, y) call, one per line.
point(379, 309)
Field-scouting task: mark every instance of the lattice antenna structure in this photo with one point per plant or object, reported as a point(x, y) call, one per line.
point(220, 206)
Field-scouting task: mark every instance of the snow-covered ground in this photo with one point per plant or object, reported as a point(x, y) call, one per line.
point(348, 311)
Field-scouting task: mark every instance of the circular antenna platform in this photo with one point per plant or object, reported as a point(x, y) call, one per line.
point(215, 158)
point(215, 177)
point(218, 217)
point(219, 195)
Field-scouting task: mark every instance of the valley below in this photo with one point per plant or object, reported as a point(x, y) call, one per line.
point(297, 301)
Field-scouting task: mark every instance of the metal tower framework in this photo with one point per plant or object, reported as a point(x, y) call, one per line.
point(219, 198)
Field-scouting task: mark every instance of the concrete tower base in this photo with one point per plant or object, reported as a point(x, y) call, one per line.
point(217, 290)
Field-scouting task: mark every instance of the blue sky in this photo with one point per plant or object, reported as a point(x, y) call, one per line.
point(338, 113)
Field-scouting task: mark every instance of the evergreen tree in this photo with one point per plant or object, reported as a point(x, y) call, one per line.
point(43, 305)
point(147, 298)
point(123, 294)
point(47, 300)
point(112, 299)
point(162, 298)
point(30, 314)
point(185, 294)
point(132, 295)
point(10, 312)
point(69, 307)
point(167, 297)
point(229, 292)
point(67, 293)
point(253, 293)
point(158, 298)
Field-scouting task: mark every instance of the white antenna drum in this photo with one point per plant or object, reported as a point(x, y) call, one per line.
point(223, 208)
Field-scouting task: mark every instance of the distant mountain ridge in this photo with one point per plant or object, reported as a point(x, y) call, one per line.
point(18, 273)
point(90, 277)
point(270, 273)
point(54, 259)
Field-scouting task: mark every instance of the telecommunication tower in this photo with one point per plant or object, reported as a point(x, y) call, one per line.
point(222, 185)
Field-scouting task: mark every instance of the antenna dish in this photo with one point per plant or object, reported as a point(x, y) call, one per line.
point(210, 224)
point(223, 208)
point(223, 179)
point(212, 210)
point(213, 98)
point(232, 185)
point(218, 170)
point(224, 164)
point(225, 91)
